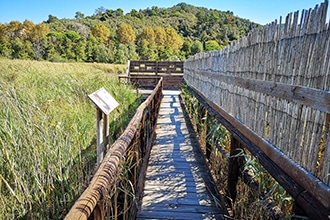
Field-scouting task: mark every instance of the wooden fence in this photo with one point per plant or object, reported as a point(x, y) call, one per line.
point(272, 88)
point(146, 74)
point(136, 140)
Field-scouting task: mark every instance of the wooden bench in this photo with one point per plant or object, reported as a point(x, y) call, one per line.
point(146, 74)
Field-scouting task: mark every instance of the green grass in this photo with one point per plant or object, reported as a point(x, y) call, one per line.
point(47, 133)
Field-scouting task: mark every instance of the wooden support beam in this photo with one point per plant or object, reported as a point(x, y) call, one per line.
point(315, 98)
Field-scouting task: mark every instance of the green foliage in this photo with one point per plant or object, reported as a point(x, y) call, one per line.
point(173, 39)
point(148, 34)
point(47, 133)
point(100, 31)
point(72, 35)
point(196, 47)
point(171, 33)
point(211, 45)
point(126, 34)
point(160, 36)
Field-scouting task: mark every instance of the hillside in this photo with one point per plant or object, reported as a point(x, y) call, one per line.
point(111, 36)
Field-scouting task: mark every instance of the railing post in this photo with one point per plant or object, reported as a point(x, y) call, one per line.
point(208, 146)
point(234, 170)
point(102, 132)
point(156, 67)
point(105, 133)
point(98, 212)
point(128, 71)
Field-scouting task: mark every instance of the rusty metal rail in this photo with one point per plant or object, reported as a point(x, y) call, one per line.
point(137, 138)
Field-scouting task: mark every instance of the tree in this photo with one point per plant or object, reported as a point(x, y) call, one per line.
point(173, 39)
point(196, 47)
point(21, 50)
point(28, 27)
point(51, 54)
point(186, 48)
point(52, 19)
point(119, 12)
point(99, 11)
point(144, 49)
point(15, 29)
point(126, 34)
point(160, 36)
point(148, 34)
point(39, 32)
point(147, 51)
point(132, 55)
point(79, 15)
point(79, 50)
point(101, 32)
point(135, 13)
point(3, 32)
point(89, 49)
point(72, 35)
point(168, 53)
point(5, 46)
point(121, 55)
point(212, 45)
point(101, 54)
point(82, 29)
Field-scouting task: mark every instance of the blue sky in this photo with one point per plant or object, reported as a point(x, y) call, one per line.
point(260, 11)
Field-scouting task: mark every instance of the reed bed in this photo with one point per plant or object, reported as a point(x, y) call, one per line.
point(47, 133)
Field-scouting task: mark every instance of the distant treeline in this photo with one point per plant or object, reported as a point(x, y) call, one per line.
point(110, 36)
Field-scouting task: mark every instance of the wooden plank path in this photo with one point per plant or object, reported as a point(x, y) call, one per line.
point(177, 184)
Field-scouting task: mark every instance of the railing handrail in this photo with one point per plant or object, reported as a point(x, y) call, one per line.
point(107, 171)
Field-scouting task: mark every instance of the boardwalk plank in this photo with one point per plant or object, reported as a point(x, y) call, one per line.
point(177, 184)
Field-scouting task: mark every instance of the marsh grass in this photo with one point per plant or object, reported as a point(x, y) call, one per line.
point(47, 133)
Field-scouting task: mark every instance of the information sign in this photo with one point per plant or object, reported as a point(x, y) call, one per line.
point(103, 100)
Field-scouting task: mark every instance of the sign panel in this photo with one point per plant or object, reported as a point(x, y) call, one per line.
point(103, 100)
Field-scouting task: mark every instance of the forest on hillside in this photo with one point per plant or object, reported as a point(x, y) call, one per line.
point(110, 36)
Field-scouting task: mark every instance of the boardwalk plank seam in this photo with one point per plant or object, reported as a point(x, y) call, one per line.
point(177, 184)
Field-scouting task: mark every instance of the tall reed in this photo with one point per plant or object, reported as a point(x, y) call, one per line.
point(47, 133)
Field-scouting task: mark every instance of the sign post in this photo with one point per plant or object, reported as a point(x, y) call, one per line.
point(105, 104)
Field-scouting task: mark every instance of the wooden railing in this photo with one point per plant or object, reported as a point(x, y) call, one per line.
point(271, 91)
point(136, 140)
point(145, 74)
point(157, 67)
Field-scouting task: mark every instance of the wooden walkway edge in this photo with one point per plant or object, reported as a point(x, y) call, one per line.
point(177, 183)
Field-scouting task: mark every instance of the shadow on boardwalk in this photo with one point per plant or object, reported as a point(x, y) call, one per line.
point(177, 185)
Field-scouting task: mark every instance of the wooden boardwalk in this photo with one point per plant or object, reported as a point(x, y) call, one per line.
point(177, 184)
